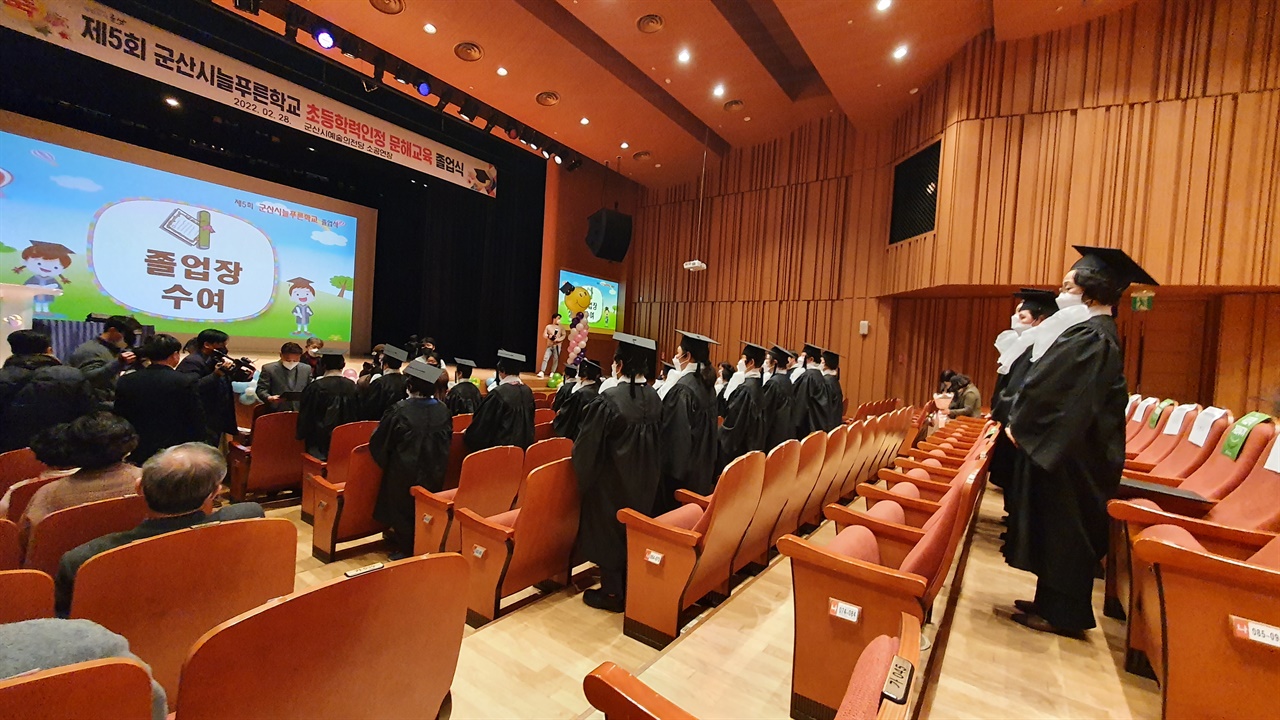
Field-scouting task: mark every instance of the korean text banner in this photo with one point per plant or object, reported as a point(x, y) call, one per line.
point(112, 37)
point(176, 252)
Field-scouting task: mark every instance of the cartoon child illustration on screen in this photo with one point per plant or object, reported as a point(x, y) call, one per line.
point(302, 293)
point(46, 262)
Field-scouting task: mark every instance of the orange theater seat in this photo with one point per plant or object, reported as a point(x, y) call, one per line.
point(71, 527)
point(527, 546)
point(813, 451)
point(865, 699)
point(1219, 475)
point(679, 557)
point(1193, 449)
point(856, 434)
point(10, 545)
point(461, 422)
point(1150, 429)
point(345, 439)
point(543, 415)
point(18, 465)
point(382, 643)
point(779, 470)
point(110, 689)
point(812, 513)
point(543, 431)
point(25, 595)
point(542, 453)
point(1175, 425)
point(488, 486)
point(1141, 414)
point(272, 463)
point(621, 696)
point(1217, 626)
point(164, 592)
point(457, 450)
point(21, 493)
point(345, 512)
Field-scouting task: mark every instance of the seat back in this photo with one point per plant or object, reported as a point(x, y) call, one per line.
point(164, 592)
point(779, 472)
point(346, 438)
point(488, 485)
point(21, 493)
point(25, 595)
point(1255, 503)
point(1140, 415)
point(855, 434)
point(18, 465)
point(727, 517)
point(1220, 474)
point(543, 415)
point(813, 450)
point(547, 526)
point(622, 696)
point(1188, 456)
point(830, 466)
point(382, 644)
point(275, 462)
point(543, 431)
point(461, 422)
point(457, 453)
point(71, 527)
point(359, 495)
point(1170, 435)
point(541, 453)
point(1148, 432)
point(109, 689)
point(10, 545)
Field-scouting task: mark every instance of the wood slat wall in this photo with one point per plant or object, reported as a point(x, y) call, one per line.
point(1153, 129)
point(1248, 369)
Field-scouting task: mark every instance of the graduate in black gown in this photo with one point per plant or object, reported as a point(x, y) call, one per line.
point(411, 445)
point(777, 397)
point(568, 420)
point(1014, 346)
point(724, 375)
point(566, 387)
point(325, 404)
point(464, 397)
point(744, 428)
point(689, 412)
point(1068, 419)
point(386, 388)
point(506, 415)
point(810, 409)
point(617, 460)
point(830, 367)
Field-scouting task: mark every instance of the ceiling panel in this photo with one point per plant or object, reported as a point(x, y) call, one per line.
point(1024, 18)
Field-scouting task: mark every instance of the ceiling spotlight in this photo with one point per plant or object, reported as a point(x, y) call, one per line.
point(429, 29)
point(625, 146)
point(584, 121)
point(502, 71)
point(558, 160)
point(913, 91)
point(324, 39)
point(684, 56)
point(469, 109)
point(719, 90)
point(424, 88)
point(574, 164)
point(546, 155)
point(311, 149)
point(899, 52)
point(883, 5)
point(533, 145)
point(171, 101)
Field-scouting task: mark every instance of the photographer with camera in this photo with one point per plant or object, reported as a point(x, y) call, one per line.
point(103, 358)
point(216, 371)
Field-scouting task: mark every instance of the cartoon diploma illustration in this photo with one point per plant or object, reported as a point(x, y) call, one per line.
point(302, 293)
point(45, 261)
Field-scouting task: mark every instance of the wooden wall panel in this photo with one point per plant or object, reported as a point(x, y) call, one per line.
point(1248, 372)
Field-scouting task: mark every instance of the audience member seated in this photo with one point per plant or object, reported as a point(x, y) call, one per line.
point(464, 395)
point(163, 405)
point(966, 400)
point(97, 444)
point(506, 415)
point(178, 484)
point(35, 645)
point(387, 387)
point(37, 391)
point(103, 358)
point(327, 403)
point(281, 383)
point(312, 356)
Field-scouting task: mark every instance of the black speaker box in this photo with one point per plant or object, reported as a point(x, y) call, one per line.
point(609, 234)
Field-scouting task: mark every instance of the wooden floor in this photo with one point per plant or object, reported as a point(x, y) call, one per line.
point(734, 661)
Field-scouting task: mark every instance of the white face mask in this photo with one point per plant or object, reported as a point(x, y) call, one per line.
point(289, 364)
point(678, 365)
point(1066, 300)
point(1016, 324)
point(742, 366)
point(313, 351)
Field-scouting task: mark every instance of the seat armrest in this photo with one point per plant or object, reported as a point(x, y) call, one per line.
point(844, 517)
point(235, 448)
point(912, 506)
point(906, 463)
point(471, 522)
point(802, 551)
point(1233, 573)
point(313, 465)
point(686, 497)
point(1133, 466)
point(946, 460)
point(1158, 479)
point(421, 493)
point(933, 487)
point(1140, 517)
point(648, 526)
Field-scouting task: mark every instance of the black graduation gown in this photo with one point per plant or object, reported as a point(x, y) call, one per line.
point(463, 398)
point(568, 421)
point(689, 420)
point(505, 417)
point(777, 410)
point(835, 402)
point(1003, 454)
point(617, 460)
point(411, 445)
point(562, 394)
point(744, 425)
point(380, 395)
point(325, 404)
point(810, 409)
point(1068, 418)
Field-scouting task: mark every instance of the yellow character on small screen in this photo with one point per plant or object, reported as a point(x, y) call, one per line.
point(577, 300)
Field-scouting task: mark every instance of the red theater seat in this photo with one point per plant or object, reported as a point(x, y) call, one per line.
point(345, 512)
point(18, 465)
point(71, 527)
point(621, 696)
point(272, 463)
point(111, 689)
point(25, 595)
point(488, 486)
point(345, 439)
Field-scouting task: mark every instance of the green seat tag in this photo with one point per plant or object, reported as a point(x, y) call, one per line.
point(1240, 432)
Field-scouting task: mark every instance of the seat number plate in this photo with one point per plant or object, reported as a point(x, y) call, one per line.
point(898, 683)
point(426, 519)
point(845, 611)
point(363, 570)
point(1255, 631)
point(653, 557)
point(477, 550)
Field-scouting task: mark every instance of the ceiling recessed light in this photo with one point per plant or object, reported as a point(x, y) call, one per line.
point(171, 101)
point(502, 71)
point(624, 146)
point(719, 90)
point(883, 5)
point(684, 56)
point(746, 119)
point(899, 52)
point(429, 29)
point(913, 91)
point(657, 165)
point(584, 121)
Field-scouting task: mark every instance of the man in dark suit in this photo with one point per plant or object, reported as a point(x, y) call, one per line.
point(289, 375)
point(214, 374)
point(162, 404)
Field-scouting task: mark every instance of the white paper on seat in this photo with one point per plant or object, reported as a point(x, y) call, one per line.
point(1200, 431)
point(1128, 409)
point(1174, 426)
point(1273, 460)
point(1142, 408)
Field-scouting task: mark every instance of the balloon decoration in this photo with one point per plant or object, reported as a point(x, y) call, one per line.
point(554, 381)
point(577, 300)
point(245, 391)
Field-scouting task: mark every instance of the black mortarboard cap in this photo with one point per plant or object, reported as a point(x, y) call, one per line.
point(592, 364)
point(753, 352)
point(566, 288)
point(332, 351)
point(780, 353)
point(638, 348)
point(395, 353)
point(1115, 261)
point(508, 355)
point(482, 176)
point(692, 341)
point(421, 370)
point(464, 362)
point(1039, 302)
point(812, 351)
point(831, 357)
point(636, 341)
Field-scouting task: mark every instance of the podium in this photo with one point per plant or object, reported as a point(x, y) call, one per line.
point(17, 310)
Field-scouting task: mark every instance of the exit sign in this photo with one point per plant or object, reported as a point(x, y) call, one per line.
point(1141, 303)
